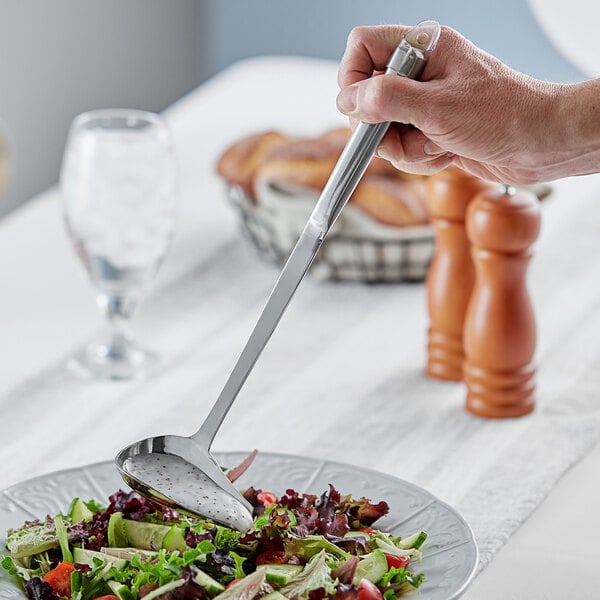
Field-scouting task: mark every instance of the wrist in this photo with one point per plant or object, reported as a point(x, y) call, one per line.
point(573, 130)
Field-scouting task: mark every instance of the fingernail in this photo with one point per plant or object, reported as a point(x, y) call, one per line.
point(394, 161)
point(384, 154)
point(432, 149)
point(346, 100)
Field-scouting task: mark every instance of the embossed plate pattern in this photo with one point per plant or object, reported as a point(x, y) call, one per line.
point(449, 555)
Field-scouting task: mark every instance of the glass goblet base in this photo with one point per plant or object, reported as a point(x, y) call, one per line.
point(114, 361)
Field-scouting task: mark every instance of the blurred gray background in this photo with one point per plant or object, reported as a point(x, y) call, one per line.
point(60, 58)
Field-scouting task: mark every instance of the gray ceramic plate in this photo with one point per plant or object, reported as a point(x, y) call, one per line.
point(449, 555)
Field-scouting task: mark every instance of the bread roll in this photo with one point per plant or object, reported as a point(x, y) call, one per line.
point(304, 163)
point(238, 164)
point(392, 201)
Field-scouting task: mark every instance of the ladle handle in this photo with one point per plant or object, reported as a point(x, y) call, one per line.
point(289, 279)
point(408, 60)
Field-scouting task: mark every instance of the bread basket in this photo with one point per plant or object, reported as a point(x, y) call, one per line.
point(357, 248)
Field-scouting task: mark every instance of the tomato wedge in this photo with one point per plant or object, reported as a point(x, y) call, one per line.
point(60, 578)
point(367, 590)
point(266, 498)
point(398, 562)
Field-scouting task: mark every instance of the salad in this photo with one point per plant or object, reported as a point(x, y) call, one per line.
point(302, 546)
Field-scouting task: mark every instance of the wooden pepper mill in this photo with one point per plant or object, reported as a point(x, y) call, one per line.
point(452, 274)
point(499, 333)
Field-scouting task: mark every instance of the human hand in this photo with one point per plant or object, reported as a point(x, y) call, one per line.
point(468, 109)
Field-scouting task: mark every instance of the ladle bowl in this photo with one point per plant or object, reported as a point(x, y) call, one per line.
point(179, 473)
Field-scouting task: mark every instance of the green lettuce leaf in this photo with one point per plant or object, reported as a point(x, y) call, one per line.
point(247, 588)
point(31, 539)
point(14, 567)
point(61, 534)
point(316, 574)
point(308, 546)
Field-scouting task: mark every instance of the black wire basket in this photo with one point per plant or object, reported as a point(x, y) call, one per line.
point(385, 254)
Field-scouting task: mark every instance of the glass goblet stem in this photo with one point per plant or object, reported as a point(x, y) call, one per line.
point(117, 309)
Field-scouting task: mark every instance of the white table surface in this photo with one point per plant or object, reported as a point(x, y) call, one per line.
point(47, 310)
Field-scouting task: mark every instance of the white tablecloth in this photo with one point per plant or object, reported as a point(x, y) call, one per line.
point(339, 349)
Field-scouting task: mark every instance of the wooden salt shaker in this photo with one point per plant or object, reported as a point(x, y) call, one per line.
point(499, 333)
point(452, 274)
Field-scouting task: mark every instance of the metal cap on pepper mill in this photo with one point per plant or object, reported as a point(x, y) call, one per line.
point(500, 332)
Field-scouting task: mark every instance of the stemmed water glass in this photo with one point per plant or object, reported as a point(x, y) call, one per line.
point(118, 187)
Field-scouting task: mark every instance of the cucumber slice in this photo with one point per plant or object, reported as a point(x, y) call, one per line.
point(79, 511)
point(121, 591)
point(147, 536)
point(115, 586)
point(413, 541)
point(372, 566)
point(279, 575)
point(357, 533)
point(174, 539)
point(128, 553)
point(117, 537)
point(83, 556)
point(211, 585)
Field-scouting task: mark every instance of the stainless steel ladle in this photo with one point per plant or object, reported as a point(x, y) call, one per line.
point(180, 472)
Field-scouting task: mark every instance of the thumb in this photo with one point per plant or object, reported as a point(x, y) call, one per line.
point(385, 98)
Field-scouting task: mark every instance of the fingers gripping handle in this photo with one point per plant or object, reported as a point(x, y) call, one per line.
point(408, 60)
